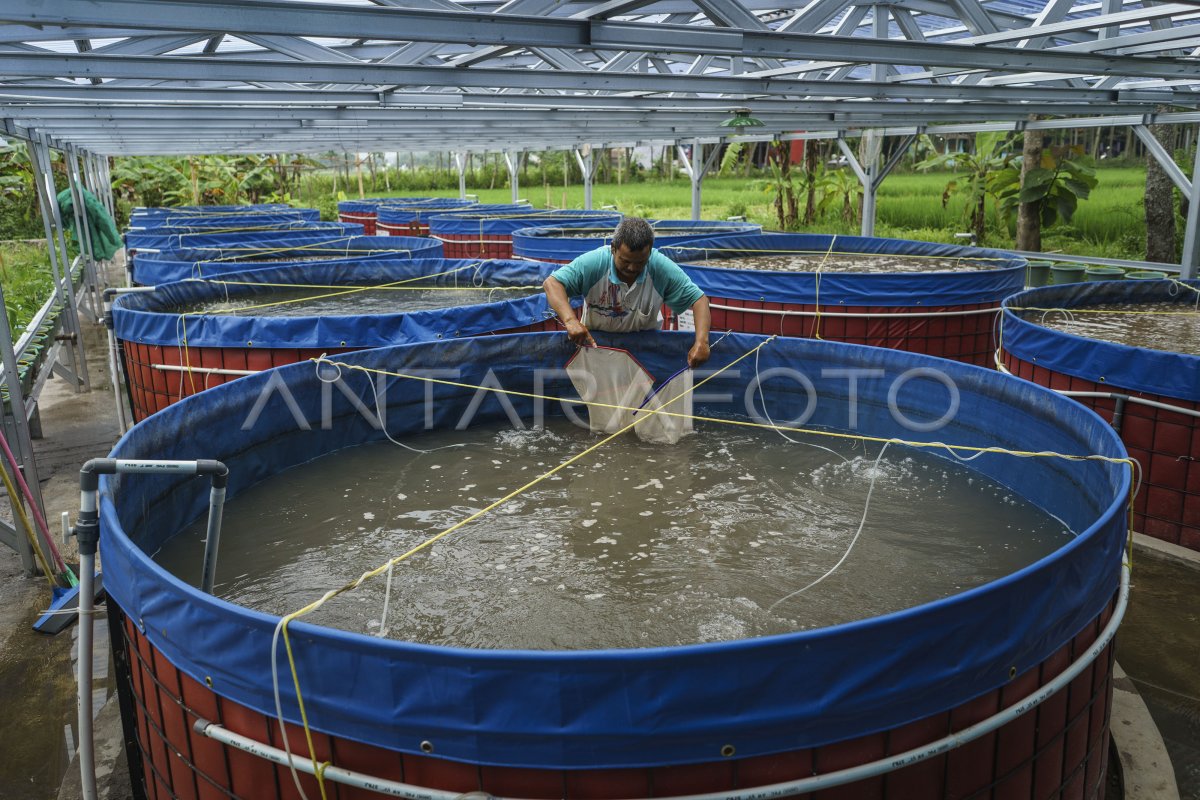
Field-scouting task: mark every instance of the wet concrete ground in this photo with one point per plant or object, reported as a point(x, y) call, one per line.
point(37, 684)
point(1158, 645)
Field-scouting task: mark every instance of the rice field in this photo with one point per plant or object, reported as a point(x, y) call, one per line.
point(1108, 224)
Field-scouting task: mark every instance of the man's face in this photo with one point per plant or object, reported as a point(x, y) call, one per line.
point(630, 264)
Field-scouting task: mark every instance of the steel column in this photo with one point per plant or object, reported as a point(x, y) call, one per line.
point(22, 444)
point(76, 370)
point(587, 165)
point(513, 159)
point(460, 163)
point(1191, 251)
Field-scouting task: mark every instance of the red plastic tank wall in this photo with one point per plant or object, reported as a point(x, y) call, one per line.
point(469, 245)
point(414, 228)
point(969, 338)
point(362, 218)
point(1058, 750)
point(1165, 443)
point(152, 389)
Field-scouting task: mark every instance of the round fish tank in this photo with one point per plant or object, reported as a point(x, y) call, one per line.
point(936, 299)
point(224, 218)
point(237, 236)
point(396, 218)
point(561, 244)
point(185, 337)
point(477, 233)
point(413, 220)
point(362, 212)
point(726, 716)
point(211, 211)
point(1127, 350)
point(151, 269)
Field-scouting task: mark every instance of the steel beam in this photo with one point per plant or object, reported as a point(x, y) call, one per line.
point(1190, 262)
point(509, 30)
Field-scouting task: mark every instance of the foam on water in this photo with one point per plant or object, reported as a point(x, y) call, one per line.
point(636, 545)
point(1170, 326)
point(844, 262)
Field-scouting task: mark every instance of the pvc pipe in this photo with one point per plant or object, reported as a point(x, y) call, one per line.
point(87, 763)
point(785, 313)
point(770, 792)
point(87, 534)
point(116, 379)
point(212, 538)
point(205, 370)
point(87, 531)
point(1188, 412)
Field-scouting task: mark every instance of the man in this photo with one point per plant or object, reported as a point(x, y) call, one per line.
point(624, 287)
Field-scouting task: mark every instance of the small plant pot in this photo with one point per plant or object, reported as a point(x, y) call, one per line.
point(1067, 273)
point(1037, 273)
point(1105, 273)
point(1146, 275)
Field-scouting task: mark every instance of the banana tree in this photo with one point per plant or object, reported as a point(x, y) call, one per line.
point(974, 183)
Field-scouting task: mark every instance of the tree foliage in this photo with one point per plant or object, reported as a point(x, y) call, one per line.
point(1065, 176)
point(974, 181)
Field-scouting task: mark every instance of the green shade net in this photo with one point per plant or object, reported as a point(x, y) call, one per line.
point(102, 229)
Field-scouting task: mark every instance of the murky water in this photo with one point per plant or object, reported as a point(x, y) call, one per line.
point(635, 545)
point(845, 262)
point(351, 301)
point(1171, 326)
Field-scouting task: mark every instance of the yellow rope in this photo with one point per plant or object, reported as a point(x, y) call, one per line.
point(817, 290)
point(952, 449)
point(183, 340)
point(311, 607)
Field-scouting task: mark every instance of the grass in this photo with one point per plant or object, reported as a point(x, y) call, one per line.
point(27, 280)
point(1108, 224)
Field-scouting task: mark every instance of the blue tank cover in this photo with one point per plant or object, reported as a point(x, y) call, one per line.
point(473, 221)
point(252, 237)
point(1118, 365)
point(153, 317)
point(211, 210)
point(369, 206)
point(404, 213)
point(849, 288)
point(547, 242)
point(188, 222)
point(151, 269)
point(636, 707)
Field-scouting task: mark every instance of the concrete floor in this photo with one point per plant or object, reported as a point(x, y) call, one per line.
point(1158, 645)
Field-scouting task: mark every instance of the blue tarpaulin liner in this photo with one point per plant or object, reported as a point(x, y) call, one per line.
point(252, 237)
point(151, 269)
point(476, 222)
point(1117, 365)
point(546, 243)
point(224, 220)
point(369, 206)
point(635, 707)
point(204, 212)
point(153, 317)
point(850, 288)
point(405, 213)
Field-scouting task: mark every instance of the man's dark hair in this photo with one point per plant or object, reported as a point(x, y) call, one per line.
point(633, 232)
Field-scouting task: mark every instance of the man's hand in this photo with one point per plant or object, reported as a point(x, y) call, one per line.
point(581, 336)
point(698, 354)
